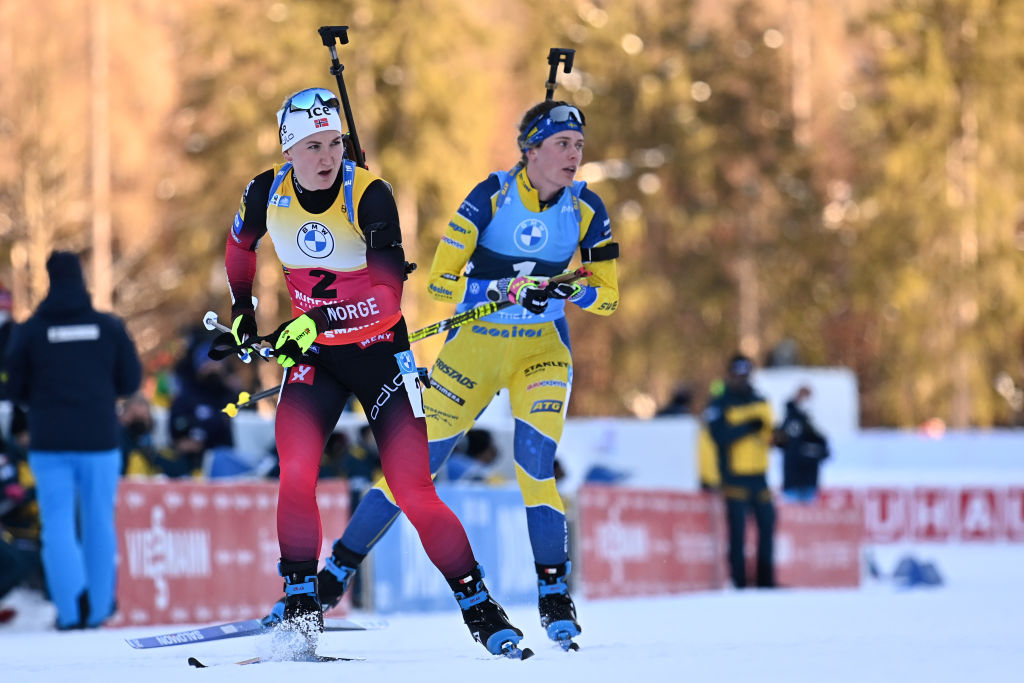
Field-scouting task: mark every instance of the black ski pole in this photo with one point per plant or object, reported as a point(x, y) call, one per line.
point(556, 56)
point(330, 35)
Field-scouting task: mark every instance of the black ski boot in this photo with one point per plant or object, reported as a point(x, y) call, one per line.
point(332, 582)
point(302, 621)
point(485, 618)
point(557, 612)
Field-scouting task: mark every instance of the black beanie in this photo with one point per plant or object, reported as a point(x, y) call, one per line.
point(64, 268)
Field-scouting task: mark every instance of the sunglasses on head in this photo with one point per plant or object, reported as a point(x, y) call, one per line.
point(304, 100)
point(564, 112)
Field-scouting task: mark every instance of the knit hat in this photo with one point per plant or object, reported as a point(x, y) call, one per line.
point(306, 112)
point(64, 268)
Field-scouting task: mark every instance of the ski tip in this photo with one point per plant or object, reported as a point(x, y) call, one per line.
point(571, 646)
point(527, 653)
point(192, 661)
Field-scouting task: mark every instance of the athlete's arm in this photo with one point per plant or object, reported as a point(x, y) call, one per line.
point(248, 228)
point(599, 254)
point(446, 282)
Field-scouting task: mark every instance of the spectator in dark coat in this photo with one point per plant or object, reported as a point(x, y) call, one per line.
point(69, 364)
point(803, 450)
point(198, 426)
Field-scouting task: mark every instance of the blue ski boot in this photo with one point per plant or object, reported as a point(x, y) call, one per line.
point(302, 619)
point(485, 618)
point(332, 582)
point(557, 612)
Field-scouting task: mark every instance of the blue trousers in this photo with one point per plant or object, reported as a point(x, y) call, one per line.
point(76, 493)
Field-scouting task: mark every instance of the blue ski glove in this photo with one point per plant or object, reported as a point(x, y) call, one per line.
point(294, 339)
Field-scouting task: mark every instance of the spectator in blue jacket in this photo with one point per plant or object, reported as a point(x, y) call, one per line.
point(68, 364)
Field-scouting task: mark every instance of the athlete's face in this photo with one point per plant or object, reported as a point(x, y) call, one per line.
point(316, 159)
point(552, 165)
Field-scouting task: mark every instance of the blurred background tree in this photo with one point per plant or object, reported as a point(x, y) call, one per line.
point(827, 183)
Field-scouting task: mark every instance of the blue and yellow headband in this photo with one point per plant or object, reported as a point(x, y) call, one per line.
point(563, 117)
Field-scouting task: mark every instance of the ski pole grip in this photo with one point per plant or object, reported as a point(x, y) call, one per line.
point(556, 56)
point(329, 34)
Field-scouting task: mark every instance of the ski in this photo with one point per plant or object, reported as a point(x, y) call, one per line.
point(192, 661)
point(234, 629)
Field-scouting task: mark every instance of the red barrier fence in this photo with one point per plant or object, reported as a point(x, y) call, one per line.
point(936, 513)
point(207, 551)
point(642, 542)
point(202, 552)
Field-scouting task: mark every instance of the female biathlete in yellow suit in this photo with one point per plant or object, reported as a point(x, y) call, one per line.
point(515, 230)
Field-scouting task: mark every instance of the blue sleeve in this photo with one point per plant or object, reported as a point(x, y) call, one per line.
point(599, 230)
point(476, 207)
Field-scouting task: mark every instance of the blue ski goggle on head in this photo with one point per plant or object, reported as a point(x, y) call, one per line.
point(561, 118)
point(305, 100)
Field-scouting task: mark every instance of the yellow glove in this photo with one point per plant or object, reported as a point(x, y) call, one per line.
point(294, 339)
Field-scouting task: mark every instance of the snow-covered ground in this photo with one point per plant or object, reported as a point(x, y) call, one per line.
point(967, 629)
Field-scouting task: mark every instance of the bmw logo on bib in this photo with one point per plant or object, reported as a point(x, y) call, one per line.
point(531, 235)
point(315, 240)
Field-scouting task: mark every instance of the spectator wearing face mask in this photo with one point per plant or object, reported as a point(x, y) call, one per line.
point(140, 454)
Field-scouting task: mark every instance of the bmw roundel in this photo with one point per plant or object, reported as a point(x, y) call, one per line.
point(531, 235)
point(315, 240)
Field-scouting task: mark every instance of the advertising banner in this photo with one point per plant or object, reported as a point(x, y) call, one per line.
point(818, 545)
point(641, 542)
point(936, 514)
point(202, 552)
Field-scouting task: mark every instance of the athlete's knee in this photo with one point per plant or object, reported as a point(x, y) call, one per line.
point(415, 497)
point(298, 476)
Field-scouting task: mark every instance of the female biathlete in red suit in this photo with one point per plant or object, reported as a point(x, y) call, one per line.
point(335, 229)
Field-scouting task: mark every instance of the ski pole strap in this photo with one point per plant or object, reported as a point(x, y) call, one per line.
point(223, 345)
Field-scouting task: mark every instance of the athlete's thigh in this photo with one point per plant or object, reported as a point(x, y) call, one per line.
point(464, 379)
point(376, 379)
point(539, 380)
point(312, 397)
